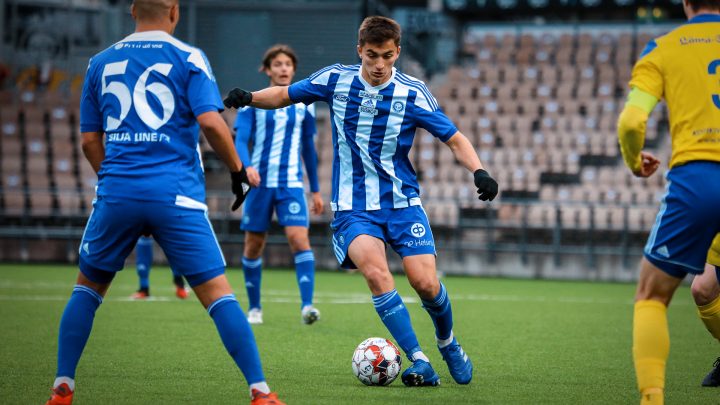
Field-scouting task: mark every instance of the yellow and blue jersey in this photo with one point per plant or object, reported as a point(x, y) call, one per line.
point(713, 256)
point(683, 67)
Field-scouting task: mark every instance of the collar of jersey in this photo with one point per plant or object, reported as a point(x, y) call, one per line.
point(379, 87)
point(147, 36)
point(703, 18)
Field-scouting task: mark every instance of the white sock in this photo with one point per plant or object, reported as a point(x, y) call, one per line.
point(261, 386)
point(67, 380)
point(419, 355)
point(444, 342)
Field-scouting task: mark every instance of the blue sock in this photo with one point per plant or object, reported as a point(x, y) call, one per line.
point(305, 274)
point(144, 258)
point(75, 327)
point(237, 337)
point(253, 278)
point(396, 318)
point(441, 313)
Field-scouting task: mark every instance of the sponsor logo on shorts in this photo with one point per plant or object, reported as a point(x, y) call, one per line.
point(420, 243)
point(294, 208)
point(417, 230)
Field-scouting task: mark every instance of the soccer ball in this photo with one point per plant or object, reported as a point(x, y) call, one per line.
point(376, 361)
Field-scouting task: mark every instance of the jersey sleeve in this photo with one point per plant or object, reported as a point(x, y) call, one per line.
point(202, 90)
point(428, 115)
point(313, 88)
point(90, 114)
point(309, 153)
point(647, 73)
point(244, 128)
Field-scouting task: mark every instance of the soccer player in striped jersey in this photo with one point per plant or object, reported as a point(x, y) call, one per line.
point(682, 67)
point(143, 102)
point(280, 138)
point(143, 264)
point(375, 111)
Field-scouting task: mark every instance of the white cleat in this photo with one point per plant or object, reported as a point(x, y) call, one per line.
point(254, 316)
point(310, 315)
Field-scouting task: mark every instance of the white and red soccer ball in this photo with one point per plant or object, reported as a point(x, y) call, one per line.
point(376, 361)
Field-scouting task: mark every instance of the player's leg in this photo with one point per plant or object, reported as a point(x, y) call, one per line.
point(706, 293)
point(106, 243)
point(421, 272)
point(179, 283)
point(299, 242)
point(143, 263)
point(257, 213)
point(368, 254)
point(651, 340)
point(188, 240)
point(252, 270)
point(292, 213)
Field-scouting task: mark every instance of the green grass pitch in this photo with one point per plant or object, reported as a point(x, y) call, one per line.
point(532, 342)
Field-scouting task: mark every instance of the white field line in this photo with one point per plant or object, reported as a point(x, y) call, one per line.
point(292, 296)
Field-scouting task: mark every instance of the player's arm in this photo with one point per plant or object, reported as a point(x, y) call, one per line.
point(93, 149)
point(631, 132)
point(244, 127)
point(269, 98)
point(309, 156)
point(218, 136)
point(464, 152)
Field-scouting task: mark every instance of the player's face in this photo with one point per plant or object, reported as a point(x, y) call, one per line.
point(378, 61)
point(281, 70)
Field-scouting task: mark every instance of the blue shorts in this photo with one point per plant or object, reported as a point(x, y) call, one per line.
point(185, 235)
point(289, 204)
point(688, 219)
point(407, 230)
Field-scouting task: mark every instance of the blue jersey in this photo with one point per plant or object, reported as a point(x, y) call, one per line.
point(279, 138)
point(373, 130)
point(145, 94)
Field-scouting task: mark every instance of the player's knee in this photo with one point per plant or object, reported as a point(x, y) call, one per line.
point(702, 294)
point(377, 277)
point(253, 248)
point(426, 287)
point(299, 243)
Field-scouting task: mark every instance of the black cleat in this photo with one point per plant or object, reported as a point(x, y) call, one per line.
point(713, 378)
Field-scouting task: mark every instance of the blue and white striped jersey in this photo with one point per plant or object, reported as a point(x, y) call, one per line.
point(373, 130)
point(279, 138)
point(145, 93)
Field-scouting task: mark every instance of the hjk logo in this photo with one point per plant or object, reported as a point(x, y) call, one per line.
point(294, 208)
point(418, 230)
point(341, 239)
point(398, 106)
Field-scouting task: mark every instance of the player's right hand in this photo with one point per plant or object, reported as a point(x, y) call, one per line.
point(648, 165)
point(240, 187)
point(238, 98)
point(486, 185)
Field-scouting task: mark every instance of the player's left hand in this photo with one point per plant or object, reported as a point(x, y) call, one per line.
point(486, 185)
point(648, 165)
point(317, 204)
point(240, 187)
point(238, 98)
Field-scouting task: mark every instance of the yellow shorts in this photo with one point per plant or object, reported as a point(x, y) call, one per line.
point(713, 256)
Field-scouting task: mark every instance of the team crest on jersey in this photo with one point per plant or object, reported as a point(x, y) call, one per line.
point(294, 208)
point(398, 106)
point(418, 230)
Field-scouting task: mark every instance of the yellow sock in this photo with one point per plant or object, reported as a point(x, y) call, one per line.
point(651, 346)
point(710, 315)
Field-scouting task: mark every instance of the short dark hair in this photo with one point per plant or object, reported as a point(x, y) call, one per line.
point(699, 4)
point(276, 50)
point(377, 29)
point(152, 10)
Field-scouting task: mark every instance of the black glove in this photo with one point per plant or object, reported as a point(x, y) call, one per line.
point(240, 187)
point(238, 98)
point(487, 186)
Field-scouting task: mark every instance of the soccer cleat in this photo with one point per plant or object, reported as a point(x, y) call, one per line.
point(713, 378)
point(254, 316)
point(459, 364)
point(310, 315)
point(259, 398)
point(420, 374)
point(181, 292)
point(62, 395)
point(140, 295)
